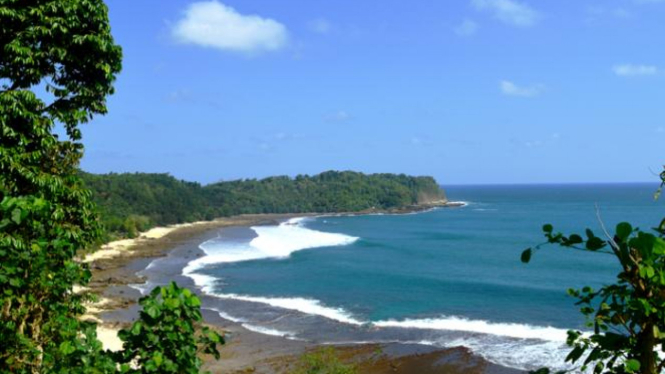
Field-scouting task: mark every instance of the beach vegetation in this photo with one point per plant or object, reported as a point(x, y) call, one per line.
point(627, 317)
point(323, 361)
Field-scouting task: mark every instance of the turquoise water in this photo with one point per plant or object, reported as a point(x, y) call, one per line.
point(440, 277)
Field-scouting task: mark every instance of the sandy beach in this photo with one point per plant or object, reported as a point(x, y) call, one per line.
point(115, 267)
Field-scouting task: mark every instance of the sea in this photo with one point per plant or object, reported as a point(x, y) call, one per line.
point(446, 277)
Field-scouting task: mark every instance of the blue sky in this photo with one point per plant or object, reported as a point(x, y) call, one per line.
point(468, 91)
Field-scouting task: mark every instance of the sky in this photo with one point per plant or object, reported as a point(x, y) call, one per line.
point(467, 91)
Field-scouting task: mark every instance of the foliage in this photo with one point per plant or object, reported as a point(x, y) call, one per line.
point(58, 62)
point(163, 340)
point(160, 199)
point(323, 361)
point(628, 317)
point(65, 49)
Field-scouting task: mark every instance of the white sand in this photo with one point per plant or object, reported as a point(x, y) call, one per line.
point(108, 335)
point(109, 338)
point(80, 289)
point(119, 247)
point(111, 249)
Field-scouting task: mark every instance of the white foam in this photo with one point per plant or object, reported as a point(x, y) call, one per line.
point(291, 236)
point(307, 306)
point(229, 317)
point(267, 331)
point(143, 288)
point(519, 354)
point(511, 330)
point(271, 242)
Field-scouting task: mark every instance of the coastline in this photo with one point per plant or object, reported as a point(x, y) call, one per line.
point(115, 271)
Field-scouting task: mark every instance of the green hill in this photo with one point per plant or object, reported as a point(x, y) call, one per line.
point(129, 203)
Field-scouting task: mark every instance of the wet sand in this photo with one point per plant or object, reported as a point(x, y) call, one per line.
point(247, 351)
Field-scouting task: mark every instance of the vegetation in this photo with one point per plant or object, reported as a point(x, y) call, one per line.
point(628, 317)
point(163, 340)
point(131, 203)
point(323, 361)
point(63, 50)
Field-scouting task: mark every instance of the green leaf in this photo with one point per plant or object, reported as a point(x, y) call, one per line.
point(650, 272)
point(659, 247)
point(661, 227)
point(547, 228)
point(632, 365)
point(158, 358)
point(194, 301)
point(136, 329)
point(153, 311)
point(575, 354)
point(16, 216)
point(595, 243)
point(214, 337)
point(575, 239)
point(623, 230)
point(172, 303)
point(66, 348)
point(526, 255)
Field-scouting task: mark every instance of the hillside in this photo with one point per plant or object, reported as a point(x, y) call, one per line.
point(129, 203)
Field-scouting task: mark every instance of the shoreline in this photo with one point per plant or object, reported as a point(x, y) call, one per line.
point(115, 271)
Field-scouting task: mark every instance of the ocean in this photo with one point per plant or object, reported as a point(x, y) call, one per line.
point(446, 277)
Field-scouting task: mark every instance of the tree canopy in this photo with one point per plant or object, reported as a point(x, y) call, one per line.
point(134, 202)
point(57, 66)
point(58, 62)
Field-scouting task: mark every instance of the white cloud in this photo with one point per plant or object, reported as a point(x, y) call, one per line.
point(320, 26)
point(213, 24)
point(466, 28)
point(511, 89)
point(630, 70)
point(509, 11)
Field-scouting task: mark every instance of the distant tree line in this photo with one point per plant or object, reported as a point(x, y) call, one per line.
point(130, 203)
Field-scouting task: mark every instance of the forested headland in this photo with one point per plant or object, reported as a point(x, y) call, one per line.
point(130, 203)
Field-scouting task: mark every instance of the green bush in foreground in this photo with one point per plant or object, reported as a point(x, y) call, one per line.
point(628, 317)
point(163, 340)
point(323, 361)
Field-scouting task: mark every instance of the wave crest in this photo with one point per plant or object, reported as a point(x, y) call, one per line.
point(306, 306)
point(511, 330)
point(271, 242)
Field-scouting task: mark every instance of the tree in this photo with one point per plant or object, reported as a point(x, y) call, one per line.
point(65, 49)
point(58, 62)
point(628, 317)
